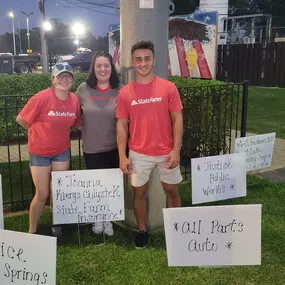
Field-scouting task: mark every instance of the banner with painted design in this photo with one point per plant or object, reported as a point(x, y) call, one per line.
point(192, 45)
point(114, 44)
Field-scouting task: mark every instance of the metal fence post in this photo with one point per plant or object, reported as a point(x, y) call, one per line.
point(244, 108)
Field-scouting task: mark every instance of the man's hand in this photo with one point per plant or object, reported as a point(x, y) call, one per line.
point(173, 159)
point(125, 165)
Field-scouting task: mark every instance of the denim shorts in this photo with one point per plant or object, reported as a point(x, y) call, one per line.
point(38, 160)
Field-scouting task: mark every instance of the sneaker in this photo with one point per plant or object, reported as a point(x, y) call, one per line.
point(108, 229)
point(141, 240)
point(97, 228)
point(57, 231)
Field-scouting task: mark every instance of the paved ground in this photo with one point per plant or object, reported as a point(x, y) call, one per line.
point(275, 173)
point(16, 152)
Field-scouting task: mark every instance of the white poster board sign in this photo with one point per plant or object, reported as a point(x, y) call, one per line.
point(213, 236)
point(1, 205)
point(146, 4)
point(88, 196)
point(27, 259)
point(258, 149)
point(219, 177)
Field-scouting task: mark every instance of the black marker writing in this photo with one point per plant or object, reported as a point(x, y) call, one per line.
point(229, 245)
point(25, 275)
point(12, 252)
point(175, 226)
point(205, 246)
point(219, 177)
point(63, 196)
point(217, 227)
point(59, 182)
point(192, 228)
point(72, 182)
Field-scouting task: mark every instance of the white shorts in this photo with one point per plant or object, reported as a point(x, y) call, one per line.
point(142, 165)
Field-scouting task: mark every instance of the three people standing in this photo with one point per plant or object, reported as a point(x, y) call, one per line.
point(145, 115)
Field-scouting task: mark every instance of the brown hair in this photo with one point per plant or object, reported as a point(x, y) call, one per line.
point(143, 45)
point(114, 79)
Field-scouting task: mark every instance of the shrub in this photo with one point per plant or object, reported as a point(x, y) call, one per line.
point(209, 115)
point(26, 84)
point(208, 111)
point(30, 84)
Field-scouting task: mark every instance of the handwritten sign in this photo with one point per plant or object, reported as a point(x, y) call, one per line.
point(258, 149)
point(88, 196)
point(213, 236)
point(146, 4)
point(1, 206)
point(218, 178)
point(27, 259)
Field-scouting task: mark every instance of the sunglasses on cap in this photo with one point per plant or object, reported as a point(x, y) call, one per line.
point(60, 67)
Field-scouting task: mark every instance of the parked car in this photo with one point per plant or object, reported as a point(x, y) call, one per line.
point(81, 62)
point(65, 58)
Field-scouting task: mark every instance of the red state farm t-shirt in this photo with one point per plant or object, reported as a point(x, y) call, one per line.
point(51, 120)
point(148, 107)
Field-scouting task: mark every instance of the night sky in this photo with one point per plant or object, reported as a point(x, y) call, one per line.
point(97, 23)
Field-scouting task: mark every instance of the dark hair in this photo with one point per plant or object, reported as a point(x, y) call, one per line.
point(143, 45)
point(114, 78)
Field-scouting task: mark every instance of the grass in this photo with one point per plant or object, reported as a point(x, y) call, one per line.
point(266, 111)
point(118, 262)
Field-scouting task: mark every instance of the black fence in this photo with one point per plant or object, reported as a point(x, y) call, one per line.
point(262, 65)
point(214, 115)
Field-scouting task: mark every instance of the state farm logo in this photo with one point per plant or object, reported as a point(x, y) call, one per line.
point(146, 101)
point(51, 113)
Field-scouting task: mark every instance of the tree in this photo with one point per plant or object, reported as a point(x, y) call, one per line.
point(183, 7)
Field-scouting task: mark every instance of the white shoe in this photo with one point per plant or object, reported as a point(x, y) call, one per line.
point(97, 228)
point(108, 228)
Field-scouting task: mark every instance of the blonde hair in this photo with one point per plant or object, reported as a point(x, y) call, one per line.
point(53, 79)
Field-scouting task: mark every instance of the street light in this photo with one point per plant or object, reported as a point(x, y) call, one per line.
point(47, 26)
point(12, 16)
point(79, 30)
point(28, 26)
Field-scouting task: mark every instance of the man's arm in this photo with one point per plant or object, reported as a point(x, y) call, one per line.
point(122, 136)
point(122, 140)
point(177, 126)
point(22, 122)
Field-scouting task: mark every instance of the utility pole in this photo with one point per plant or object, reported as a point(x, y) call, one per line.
point(28, 26)
point(145, 20)
point(139, 21)
point(44, 51)
point(19, 34)
point(12, 16)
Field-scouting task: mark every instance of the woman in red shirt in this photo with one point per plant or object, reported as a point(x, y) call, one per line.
point(49, 116)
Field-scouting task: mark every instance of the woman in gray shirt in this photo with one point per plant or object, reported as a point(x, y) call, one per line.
point(98, 100)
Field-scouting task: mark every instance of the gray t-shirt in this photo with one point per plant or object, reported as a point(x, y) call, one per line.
point(98, 118)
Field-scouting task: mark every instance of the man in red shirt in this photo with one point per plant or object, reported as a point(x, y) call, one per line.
point(151, 107)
